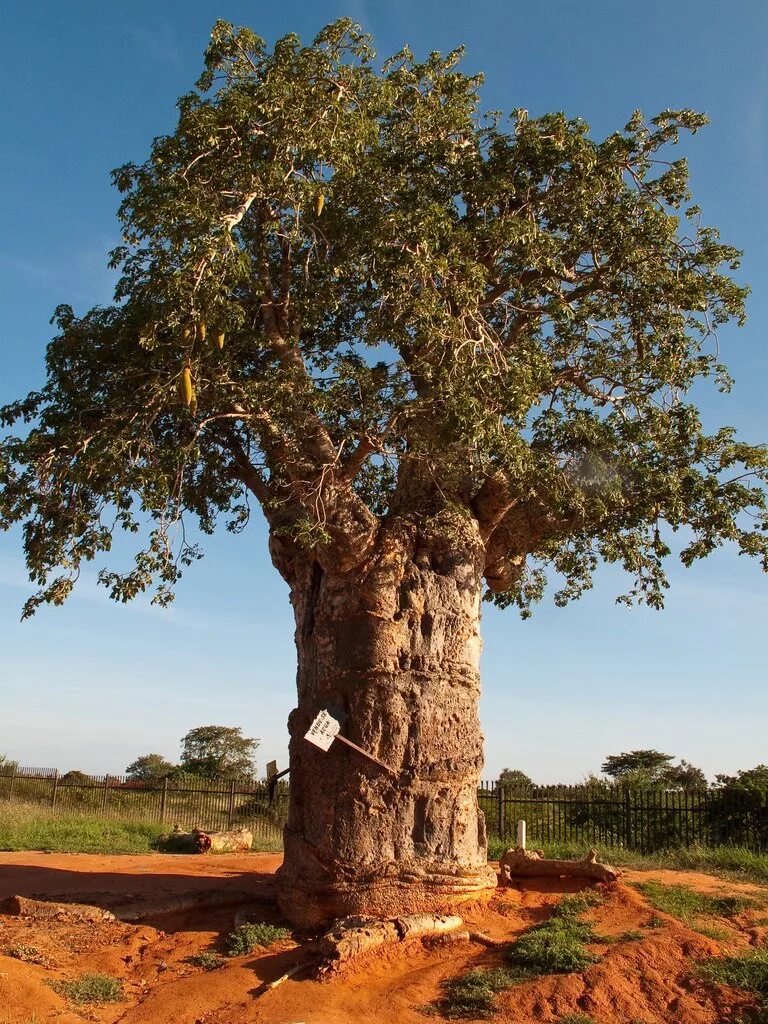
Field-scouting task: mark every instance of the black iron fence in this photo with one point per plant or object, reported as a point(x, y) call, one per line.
point(187, 801)
point(644, 820)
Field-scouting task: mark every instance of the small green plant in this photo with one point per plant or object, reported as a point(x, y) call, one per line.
point(29, 954)
point(613, 940)
point(577, 1018)
point(654, 921)
point(90, 988)
point(473, 994)
point(248, 937)
point(209, 961)
point(557, 946)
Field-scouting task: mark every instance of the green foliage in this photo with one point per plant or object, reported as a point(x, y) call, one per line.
point(473, 994)
point(513, 778)
point(576, 1018)
point(686, 904)
point(250, 936)
point(7, 766)
point(218, 752)
point(149, 768)
point(478, 314)
point(652, 768)
point(209, 961)
point(90, 988)
point(557, 946)
point(747, 971)
point(752, 780)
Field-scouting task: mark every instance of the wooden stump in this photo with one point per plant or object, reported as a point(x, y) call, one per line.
point(520, 863)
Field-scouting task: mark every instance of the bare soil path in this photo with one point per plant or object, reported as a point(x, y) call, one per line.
point(169, 907)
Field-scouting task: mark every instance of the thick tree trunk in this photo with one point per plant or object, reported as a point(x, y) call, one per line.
point(396, 645)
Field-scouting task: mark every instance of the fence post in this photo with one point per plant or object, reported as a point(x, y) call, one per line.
point(163, 798)
point(500, 808)
point(231, 807)
point(14, 773)
point(55, 788)
point(105, 793)
point(627, 819)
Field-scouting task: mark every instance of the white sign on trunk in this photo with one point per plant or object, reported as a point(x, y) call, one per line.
point(271, 769)
point(323, 730)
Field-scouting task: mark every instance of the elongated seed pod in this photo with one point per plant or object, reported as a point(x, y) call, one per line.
point(186, 333)
point(201, 330)
point(319, 203)
point(220, 339)
point(186, 389)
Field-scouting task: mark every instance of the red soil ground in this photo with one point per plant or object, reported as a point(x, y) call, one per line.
point(649, 980)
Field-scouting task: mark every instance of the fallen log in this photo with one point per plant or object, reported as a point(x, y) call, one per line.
point(353, 936)
point(200, 841)
point(520, 863)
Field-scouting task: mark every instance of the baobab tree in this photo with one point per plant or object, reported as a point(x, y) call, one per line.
point(446, 353)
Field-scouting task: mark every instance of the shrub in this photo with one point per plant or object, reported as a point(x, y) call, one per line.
point(473, 994)
point(248, 937)
point(29, 954)
point(686, 904)
point(208, 961)
point(90, 988)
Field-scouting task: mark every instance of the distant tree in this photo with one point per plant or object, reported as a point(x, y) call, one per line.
point(149, 768)
point(76, 778)
point(513, 778)
point(7, 766)
point(754, 780)
point(684, 776)
point(218, 751)
point(652, 768)
point(638, 766)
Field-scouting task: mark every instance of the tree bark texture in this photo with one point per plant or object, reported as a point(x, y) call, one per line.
point(395, 643)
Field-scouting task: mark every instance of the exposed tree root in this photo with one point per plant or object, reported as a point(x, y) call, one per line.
point(352, 937)
point(520, 863)
point(41, 910)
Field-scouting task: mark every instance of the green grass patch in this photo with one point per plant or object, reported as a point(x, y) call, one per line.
point(34, 827)
point(557, 945)
point(687, 905)
point(473, 994)
point(90, 988)
point(576, 1018)
point(248, 937)
point(29, 827)
point(747, 971)
point(209, 961)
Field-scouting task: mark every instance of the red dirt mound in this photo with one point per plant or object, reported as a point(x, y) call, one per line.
point(186, 905)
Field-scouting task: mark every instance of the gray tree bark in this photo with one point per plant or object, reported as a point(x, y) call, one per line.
point(394, 642)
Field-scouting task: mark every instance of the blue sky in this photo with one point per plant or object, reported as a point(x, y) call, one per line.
point(92, 685)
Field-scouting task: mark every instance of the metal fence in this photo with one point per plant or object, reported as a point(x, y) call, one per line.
point(188, 802)
point(644, 820)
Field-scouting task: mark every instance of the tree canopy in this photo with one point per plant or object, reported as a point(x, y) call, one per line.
point(653, 768)
point(218, 752)
point(513, 777)
point(348, 293)
point(149, 768)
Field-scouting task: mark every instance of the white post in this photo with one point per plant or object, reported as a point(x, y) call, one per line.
point(521, 837)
